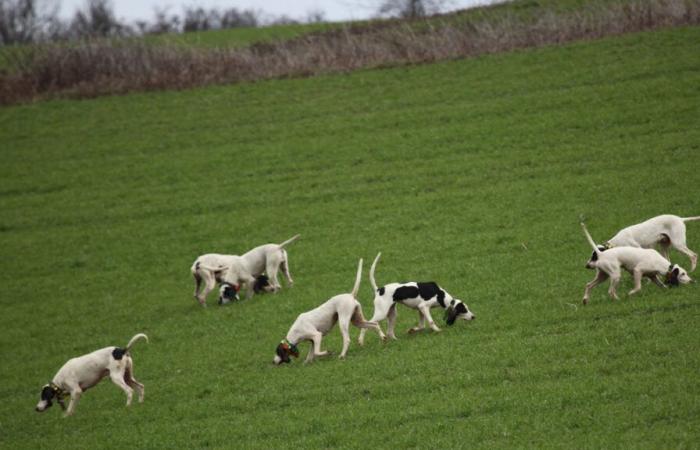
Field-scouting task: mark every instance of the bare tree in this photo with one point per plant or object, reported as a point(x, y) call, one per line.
point(97, 20)
point(24, 21)
point(411, 9)
point(234, 18)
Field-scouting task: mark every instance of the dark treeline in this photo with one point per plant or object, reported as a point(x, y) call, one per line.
point(32, 21)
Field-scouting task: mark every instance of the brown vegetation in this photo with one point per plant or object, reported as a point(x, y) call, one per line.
point(103, 67)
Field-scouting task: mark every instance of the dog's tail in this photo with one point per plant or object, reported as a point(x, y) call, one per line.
point(134, 339)
point(371, 272)
point(290, 240)
point(210, 268)
point(358, 278)
point(590, 239)
point(690, 219)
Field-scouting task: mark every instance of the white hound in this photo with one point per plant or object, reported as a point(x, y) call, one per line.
point(269, 259)
point(640, 262)
point(81, 373)
point(420, 296)
point(256, 271)
point(313, 325)
point(666, 230)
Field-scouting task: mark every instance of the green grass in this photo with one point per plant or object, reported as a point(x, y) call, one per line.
point(472, 173)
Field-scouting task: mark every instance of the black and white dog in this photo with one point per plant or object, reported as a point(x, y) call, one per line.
point(229, 292)
point(416, 295)
point(84, 372)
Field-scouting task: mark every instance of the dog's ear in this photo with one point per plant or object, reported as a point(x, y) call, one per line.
point(675, 271)
point(283, 353)
point(47, 394)
point(450, 315)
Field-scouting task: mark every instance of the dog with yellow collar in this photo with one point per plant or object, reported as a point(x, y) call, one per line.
point(81, 373)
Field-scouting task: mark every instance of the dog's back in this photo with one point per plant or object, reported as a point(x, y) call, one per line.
point(648, 233)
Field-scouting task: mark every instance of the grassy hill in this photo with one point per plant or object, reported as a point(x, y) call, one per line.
point(472, 173)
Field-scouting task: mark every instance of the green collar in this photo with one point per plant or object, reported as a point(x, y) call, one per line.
point(292, 347)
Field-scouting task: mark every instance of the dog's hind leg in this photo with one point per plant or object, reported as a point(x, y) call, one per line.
point(271, 268)
point(599, 278)
point(391, 321)
point(131, 381)
point(197, 284)
point(381, 310)
point(285, 270)
point(344, 326)
point(117, 377)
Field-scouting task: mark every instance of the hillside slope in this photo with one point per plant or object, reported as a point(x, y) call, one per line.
point(472, 173)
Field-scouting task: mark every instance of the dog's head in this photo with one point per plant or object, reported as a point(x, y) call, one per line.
point(48, 393)
point(594, 255)
point(457, 309)
point(262, 284)
point(228, 292)
point(284, 350)
point(677, 275)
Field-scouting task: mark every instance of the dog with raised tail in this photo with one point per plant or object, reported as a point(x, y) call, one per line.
point(81, 373)
point(421, 296)
point(666, 231)
point(313, 325)
point(640, 262)
point(269, 259)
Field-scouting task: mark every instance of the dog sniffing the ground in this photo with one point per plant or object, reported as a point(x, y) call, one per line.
point(666, 231)
point(313, 325)
point(640, 262)
point(419, 296)
point(81, 373)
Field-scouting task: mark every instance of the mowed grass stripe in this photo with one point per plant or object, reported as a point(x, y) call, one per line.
point(472, 173)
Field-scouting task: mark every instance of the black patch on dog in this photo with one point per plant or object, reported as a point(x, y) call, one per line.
point(381, 290)
point(672, 277)
point(453, 312)
point(230, 292)
point(47, 394)
point(601, 249)
point(405, 292)
point(260, 283)
point(431, 289)
point(118, 353)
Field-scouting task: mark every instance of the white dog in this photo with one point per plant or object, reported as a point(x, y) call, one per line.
point(269, 259)
point(229, 270)
point(313, 325)
point(420, 296)
point(640, 262)
point(666, 231)
point(234, 272)
point(84, 372)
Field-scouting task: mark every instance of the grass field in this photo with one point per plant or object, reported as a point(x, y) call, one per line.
point(470, 173)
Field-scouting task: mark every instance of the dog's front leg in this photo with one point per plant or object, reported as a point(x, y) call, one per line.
point(429, 318)
point(599, 278)
point(315, 349)
point(421, 323)
point(657, 281)
point(74, 398)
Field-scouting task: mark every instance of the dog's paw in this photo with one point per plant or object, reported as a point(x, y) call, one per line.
point(585, 301)
point(413, 330)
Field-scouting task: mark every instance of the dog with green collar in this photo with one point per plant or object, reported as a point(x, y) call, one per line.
point(313, 325)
